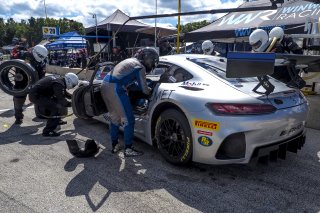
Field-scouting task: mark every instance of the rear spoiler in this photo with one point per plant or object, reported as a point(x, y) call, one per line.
point(312, 62)
point(245, 64)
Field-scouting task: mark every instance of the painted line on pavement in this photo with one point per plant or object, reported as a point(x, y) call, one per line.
point(4, 110)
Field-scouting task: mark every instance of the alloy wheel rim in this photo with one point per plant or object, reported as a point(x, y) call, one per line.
point(172, 138)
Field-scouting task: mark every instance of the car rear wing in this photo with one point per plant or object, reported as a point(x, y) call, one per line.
point(260, 65)
point(311, 62)
point(245, 64)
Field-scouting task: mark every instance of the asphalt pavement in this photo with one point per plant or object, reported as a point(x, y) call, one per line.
point(38, 174)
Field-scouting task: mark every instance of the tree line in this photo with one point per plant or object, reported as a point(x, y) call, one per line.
point(193, 26)
point(31, 29)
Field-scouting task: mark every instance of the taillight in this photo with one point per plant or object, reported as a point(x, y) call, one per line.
point(240, 109)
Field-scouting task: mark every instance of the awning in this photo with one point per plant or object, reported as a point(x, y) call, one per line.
point(236, 26)
point(115, 21)
point(161, 31)
point(70, 40)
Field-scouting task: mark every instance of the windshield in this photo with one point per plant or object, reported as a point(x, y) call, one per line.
point(218, 67)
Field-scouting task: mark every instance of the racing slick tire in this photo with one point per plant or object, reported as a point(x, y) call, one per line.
point(173, 137)
point(17, 70)
point(77, 103)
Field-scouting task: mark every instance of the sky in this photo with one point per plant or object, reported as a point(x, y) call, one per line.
point(83, 10)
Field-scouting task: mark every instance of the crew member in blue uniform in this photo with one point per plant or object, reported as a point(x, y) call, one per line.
point(114, 94)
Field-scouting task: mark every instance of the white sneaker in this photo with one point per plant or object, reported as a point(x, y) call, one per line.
point(131, 152)
point(116, 148)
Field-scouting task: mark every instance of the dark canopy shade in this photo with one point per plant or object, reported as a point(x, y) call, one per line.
point(232, 27)
point(161, 31)
point(114, 21)
point(70, 40)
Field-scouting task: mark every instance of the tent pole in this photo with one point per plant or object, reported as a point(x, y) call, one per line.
point(178, 36)
point(136, 40)
point(155, 26)
point(114, 39)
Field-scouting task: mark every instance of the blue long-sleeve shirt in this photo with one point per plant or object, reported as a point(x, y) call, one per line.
point(128, 71)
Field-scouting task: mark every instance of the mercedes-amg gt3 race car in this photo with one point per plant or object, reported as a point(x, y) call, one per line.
point(197, 113)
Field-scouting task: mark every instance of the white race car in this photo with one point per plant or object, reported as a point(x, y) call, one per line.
point(196, 113)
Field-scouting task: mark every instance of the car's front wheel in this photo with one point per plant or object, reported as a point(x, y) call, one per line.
point(173, 136)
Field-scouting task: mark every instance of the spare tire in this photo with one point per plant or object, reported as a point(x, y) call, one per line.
point(78, 105)
point(16, 77)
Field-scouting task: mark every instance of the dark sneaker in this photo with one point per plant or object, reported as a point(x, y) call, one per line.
point(61, 122)
point(116, 148)
point(18, 121)
point(51, 134)
point(131, 152)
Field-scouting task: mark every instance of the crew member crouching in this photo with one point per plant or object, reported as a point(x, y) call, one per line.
point(50, 93)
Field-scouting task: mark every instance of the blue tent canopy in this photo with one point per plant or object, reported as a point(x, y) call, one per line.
point(70, 40)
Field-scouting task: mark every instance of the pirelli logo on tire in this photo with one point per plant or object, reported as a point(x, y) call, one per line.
point(203, 124)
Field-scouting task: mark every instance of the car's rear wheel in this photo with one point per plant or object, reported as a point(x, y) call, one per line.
point(173, 136)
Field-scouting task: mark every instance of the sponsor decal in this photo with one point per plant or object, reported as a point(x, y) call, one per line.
point(298, 11)
point(201, 132)
point(245, 18)
point(206, 124)
point(191, 84)
point(205, 141)
point(288, 12)
point(164, 94)
point(241, 32)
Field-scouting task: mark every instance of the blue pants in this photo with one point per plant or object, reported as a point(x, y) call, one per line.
point(120, 109)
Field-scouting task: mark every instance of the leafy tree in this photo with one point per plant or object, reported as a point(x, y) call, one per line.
point(2, 32)
point(31, 29)
point(193, 26)
point(10, 33)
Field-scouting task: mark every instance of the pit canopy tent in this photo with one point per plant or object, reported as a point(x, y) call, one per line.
point(116, 20)
point(70, 40)
point(161, 31)
point(236, 27)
